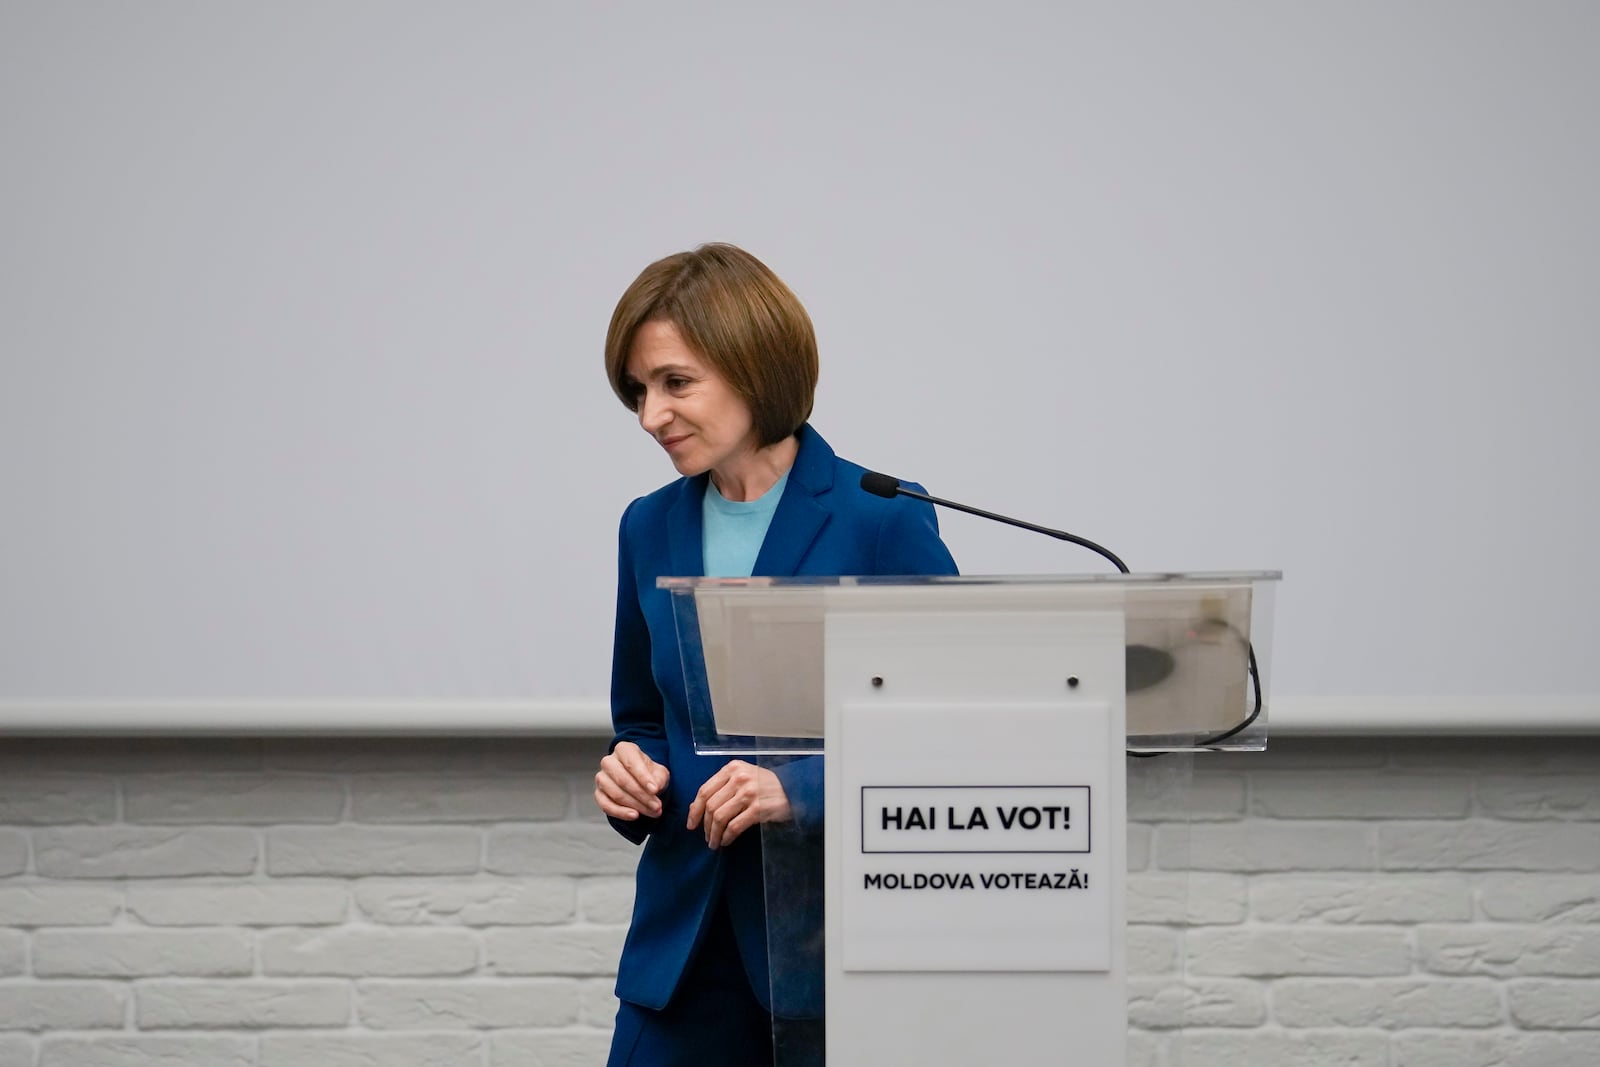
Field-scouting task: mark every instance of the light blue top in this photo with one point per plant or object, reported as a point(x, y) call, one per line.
point(734, 529)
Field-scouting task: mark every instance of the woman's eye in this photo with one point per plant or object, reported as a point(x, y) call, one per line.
point(676, 382)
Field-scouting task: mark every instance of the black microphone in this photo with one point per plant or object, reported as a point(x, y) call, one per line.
point(1145, 666)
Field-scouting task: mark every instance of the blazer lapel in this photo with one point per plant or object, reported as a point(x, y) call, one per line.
point(795, 525)
point(800, 515)
point(685, 524)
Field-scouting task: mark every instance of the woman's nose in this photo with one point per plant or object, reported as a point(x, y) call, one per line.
point(652, 412)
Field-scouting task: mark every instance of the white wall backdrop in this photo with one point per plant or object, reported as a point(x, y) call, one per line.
point(301, 311)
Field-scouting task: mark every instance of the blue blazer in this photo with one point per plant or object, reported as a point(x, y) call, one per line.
point(825, 524)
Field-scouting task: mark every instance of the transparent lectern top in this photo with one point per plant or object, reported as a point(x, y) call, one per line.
point(1174, 578)
point(1198, 649)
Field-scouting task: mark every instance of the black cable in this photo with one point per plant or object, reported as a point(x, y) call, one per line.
point(1255, 673)
point(886, 486)
point(1237, 728)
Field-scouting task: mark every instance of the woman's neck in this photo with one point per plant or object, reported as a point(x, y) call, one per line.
point(753, 473)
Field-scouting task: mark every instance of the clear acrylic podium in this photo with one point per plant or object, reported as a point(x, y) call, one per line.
point(965, 900)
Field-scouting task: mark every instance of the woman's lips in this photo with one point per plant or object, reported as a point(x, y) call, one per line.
point(669, 443)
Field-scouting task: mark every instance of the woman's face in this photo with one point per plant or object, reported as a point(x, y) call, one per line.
point(686, 406)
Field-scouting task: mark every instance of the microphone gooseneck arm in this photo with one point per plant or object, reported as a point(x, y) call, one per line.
point(885, 485)
point(1060, 535)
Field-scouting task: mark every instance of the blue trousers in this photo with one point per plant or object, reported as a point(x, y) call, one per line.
point(714, 1019)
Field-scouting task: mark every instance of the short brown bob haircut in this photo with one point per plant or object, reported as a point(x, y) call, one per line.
point(737, 316)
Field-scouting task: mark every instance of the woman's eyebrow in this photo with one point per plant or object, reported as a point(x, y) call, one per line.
point(667, 368)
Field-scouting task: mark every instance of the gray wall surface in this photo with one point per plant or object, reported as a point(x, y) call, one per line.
point(301, 309)
point(246, 903)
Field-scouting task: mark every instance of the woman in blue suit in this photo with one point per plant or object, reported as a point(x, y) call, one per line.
point(719, 361)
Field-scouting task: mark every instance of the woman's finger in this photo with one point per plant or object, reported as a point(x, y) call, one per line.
point(740, 823)
point(646, 771)
point(619, 782)
point(613, 808)
point(618, 794)
point(721, 807)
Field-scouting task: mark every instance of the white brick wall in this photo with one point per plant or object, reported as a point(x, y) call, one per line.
point(458, 903)
point(1399, 903)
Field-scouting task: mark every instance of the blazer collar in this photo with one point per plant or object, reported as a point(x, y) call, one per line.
point(800, 515)
point(686, 529)
point(798, 519)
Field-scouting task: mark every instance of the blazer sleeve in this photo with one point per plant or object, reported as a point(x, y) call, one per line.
point(909, 541)
point(637, 713)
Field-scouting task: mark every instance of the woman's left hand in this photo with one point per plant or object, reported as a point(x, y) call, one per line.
point(736, 798)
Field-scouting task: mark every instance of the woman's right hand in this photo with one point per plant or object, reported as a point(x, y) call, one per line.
point(629, 783)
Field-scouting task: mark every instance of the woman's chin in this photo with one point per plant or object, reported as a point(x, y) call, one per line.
point(687, 467)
